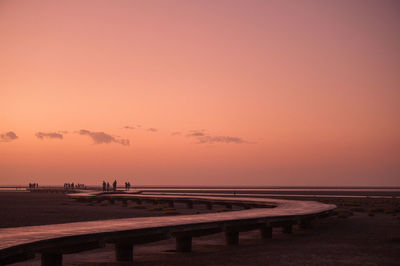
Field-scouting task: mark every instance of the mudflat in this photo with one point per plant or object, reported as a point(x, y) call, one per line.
point(26, 209)
point(364, 231)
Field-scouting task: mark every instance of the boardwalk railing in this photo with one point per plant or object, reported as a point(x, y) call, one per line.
point(52, 241)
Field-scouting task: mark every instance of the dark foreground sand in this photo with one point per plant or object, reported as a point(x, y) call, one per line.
point(365, 232)
point(26, 209)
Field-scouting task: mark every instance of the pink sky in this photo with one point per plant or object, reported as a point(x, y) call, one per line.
point(225, 92)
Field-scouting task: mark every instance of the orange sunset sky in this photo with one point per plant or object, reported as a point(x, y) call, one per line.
point(200, 92)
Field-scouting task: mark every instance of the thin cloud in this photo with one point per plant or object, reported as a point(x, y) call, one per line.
point(129, 127)
point(195, 133)
point(220, 139)
point(176, 133)
point(8, 136)
point(51, 135)
point(203, 138)
point(152, 129)
point(101, 137)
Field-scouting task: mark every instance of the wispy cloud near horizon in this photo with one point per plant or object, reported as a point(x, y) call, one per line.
point(152, 129)
point(204, 138)
point(50, 135)
point(129, 127)
point(103, 138)
point(8, 136)
point(132, 126)
point(195, 133)
point(220, 139)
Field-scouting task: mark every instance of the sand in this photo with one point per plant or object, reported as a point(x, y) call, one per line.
point(26, 209)
point(365, 232)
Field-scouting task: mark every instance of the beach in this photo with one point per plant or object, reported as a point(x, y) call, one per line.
point(364, 231)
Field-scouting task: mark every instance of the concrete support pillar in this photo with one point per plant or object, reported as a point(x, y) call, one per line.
point(288, 229)
point(184, 243)
point(124, 251)
point(138, 202)
point(232, 237)
point(171, 203)
point(209, 206)
point(189, 204)
point(266, 232)
point(51, 259)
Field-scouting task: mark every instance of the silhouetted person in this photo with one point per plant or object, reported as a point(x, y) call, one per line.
point(108, 187)
point(115, 185)
point(104, 185)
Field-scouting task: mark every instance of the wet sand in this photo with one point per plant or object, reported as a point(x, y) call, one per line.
point(364, 232)
point(26, 209)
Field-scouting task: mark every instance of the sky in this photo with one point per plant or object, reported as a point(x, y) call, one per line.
point(209, 93)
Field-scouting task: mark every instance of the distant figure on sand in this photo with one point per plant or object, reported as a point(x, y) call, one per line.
point(104, 185)
point(108, 187)
point(115, 185)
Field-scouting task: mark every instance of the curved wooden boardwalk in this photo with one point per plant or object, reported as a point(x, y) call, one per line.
point(52, 241)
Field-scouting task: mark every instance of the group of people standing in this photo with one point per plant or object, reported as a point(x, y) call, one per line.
point(107, 187)
point(33, 185)
point(72, 186)
point(127, 185)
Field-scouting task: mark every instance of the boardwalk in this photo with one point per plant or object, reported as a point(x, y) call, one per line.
point(54, 240)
